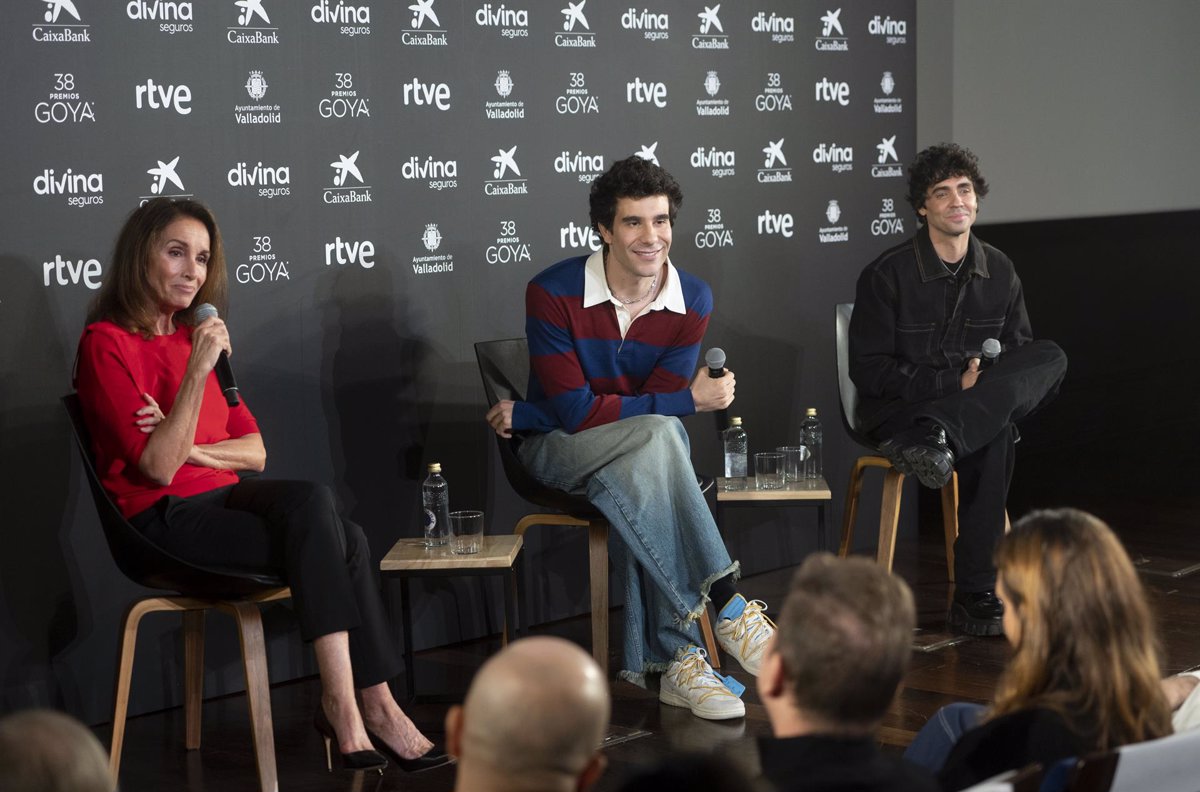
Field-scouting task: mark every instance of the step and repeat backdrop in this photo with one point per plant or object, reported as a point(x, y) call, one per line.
point(387, 176)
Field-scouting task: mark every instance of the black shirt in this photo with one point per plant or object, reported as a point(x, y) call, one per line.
point(837, 764)
point(1011, 742)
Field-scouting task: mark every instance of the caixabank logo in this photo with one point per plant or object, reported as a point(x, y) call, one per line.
point(831, 37)
point(507, 105)
point(425, 29)
point(714, 234)
point(773, 98)
point(348, 185)
point(510, 23)
point(61, 24)
point(711, 34)
point(171, 16)
point(576, 32)
point(506, 178)
point(719, 163)
point(648, 153)
point(582, 236)
point(60, 271)
point(652, 26)
point(576, 99)
point(887, 163)
point(586, 167)
point(893, 31)
point(780, 29)
point(888, 103)
point(714, 105)
point(345, 100)
point(775, 169)
point(267, 181)
point(77, 188)
point(263, 263)
point(508, 249)
point(437, 174)
point(64, 104)
point(431, 262)
point(346, 19)
point(258, 110)
point(253, 26)
point(164, 177)
point(833, 232)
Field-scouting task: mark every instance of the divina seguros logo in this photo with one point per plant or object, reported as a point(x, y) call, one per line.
point(576, 32)
point(437, 174)
point(344, 100)
point(511, 22)
point(350, 20)
point(654, 27)
point(56, 26)
point(78, 189)
point(343, 190)
point(172, 16)
point(781, 29)
point(585, 166)
point(719, 163)
point(253, 25)
point(840, 159)
point(64, 105)
point(271, 181)
point(894, 31)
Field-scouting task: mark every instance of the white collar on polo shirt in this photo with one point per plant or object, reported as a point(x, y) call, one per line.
point(596, 291)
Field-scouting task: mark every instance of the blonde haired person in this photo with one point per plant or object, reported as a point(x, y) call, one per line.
point(1084, 675)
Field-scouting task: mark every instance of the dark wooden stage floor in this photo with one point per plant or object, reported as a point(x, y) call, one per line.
point(154, 758)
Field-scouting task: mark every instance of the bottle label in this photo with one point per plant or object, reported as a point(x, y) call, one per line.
point(430, 522)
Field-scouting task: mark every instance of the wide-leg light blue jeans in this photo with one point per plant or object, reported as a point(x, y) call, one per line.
point(664, 543)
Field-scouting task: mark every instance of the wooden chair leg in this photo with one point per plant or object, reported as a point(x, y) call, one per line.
point(258, 690)
point(193, 675)
point(129, 628)
point(598, 569)
point(889, 517)
point(710, 640)
point(950, 520)
point(853, 491)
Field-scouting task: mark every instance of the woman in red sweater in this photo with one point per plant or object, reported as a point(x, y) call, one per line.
point(169, 449)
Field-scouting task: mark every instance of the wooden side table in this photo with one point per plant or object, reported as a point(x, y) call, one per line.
point(409, 558)
point(810, 492)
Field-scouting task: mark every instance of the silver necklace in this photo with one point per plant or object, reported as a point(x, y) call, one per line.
point(653, 286)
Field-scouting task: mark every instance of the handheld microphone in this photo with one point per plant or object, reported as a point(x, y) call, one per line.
point(990, 353)
point(224, 371)
point(715, 360)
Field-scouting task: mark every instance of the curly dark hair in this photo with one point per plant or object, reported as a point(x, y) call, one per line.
point(632, 177)
point(938, 163)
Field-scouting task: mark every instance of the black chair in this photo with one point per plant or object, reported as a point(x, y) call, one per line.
point(504, 367)
point(893, 480)
point(200, 589)
point(1168, 764)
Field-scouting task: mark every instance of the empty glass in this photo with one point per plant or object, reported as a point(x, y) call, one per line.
point(793, 462)
point(466, 531)
point(768, 470)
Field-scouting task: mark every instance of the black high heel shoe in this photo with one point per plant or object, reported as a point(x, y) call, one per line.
point(354, 761)
point(434, 757)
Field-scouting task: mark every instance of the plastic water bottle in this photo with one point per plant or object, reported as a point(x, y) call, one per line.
point(736, 443)
point(810, 435)
point(435, 497)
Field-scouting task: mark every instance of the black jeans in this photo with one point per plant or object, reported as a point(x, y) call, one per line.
point(980, 426)
point(289, 528)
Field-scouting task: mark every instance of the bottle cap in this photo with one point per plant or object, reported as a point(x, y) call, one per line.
point(735, 421)
point(435, 467)
point(811, 411)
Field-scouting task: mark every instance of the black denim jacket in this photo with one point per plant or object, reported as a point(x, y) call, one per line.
point(915, 324)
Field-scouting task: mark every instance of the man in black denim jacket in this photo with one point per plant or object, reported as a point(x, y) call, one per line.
point(922, 313)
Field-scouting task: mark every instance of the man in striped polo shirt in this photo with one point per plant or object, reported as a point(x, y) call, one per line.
point(613, 342)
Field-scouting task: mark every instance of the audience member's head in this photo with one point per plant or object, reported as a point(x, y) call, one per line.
point(1083, 632)
point(688, 771)
point(843, 644)
point(47, 751)
point(534, 718)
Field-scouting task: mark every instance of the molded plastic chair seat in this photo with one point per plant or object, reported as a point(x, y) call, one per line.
point(504, 368)
point(1168, 764)
point(232, 591)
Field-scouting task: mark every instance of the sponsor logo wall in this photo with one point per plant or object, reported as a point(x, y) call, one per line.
point(425, 158)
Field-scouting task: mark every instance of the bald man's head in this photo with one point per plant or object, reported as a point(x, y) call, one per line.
point(534, 717)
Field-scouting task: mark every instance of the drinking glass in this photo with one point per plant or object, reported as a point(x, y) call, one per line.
point(466, 531)
point(768, 470)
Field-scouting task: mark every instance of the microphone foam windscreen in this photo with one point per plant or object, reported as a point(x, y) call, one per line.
point(991, 348)
point(205, 311)
point(715, 358)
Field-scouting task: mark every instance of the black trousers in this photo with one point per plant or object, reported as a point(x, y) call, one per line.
point(289, 528)
point(980, 425)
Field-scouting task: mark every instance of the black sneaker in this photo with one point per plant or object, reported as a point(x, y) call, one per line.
point(922, 452)
point(976, 613)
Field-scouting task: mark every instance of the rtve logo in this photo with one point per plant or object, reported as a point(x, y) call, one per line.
point(572, 237)
point(66, 272)
point(770, 223)
point(156, 96)
point(427, 94)
point(828, 91)
point(339, 252)
point(646, 92)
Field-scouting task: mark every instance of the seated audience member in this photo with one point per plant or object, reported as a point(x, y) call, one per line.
point(1084, 675)
point(688, 771)
point(47, 751)
point(169, 448)
point(533, 721)
point(842, 645)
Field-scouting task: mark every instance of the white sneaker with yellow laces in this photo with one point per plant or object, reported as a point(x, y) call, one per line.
point(689, 681)
point(743, 631)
